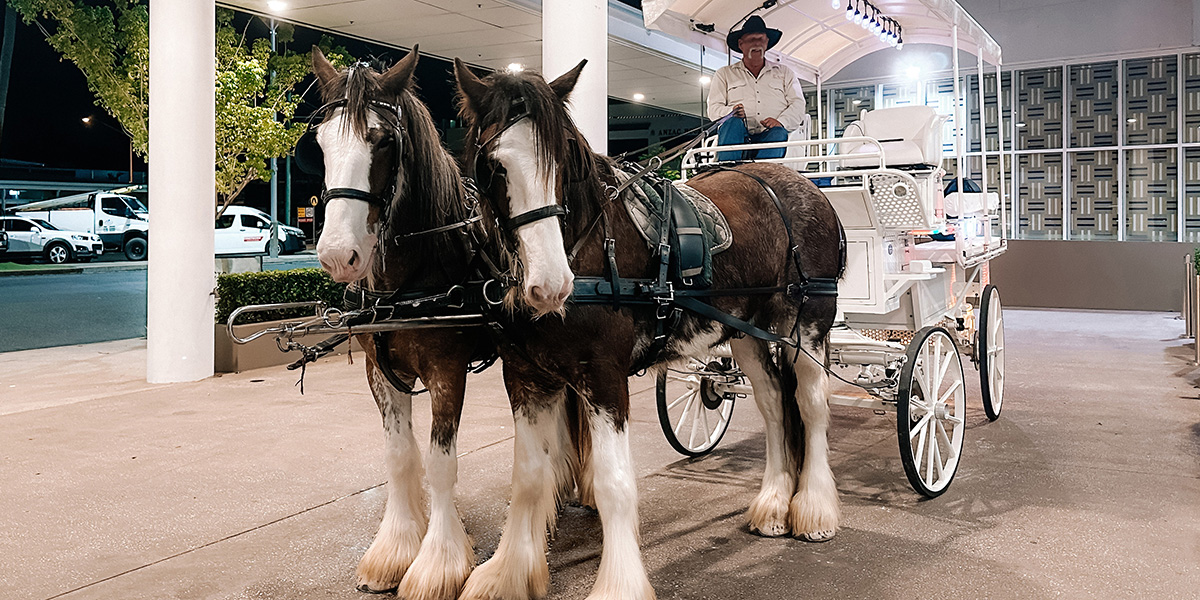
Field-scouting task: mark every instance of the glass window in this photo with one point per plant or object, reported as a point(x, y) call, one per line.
point(113, 206)
point(1151, 100)
point(940, 95)
point(254, 222)
point(991, 114)
point(1039, 109)
point(1191, 188)
point(898, 94)
point(17, 225)
point(1150, 202)
point(848, 103)
point(225, 222)
point(1039, 196)
point(1094, 195)
point(1094, 105)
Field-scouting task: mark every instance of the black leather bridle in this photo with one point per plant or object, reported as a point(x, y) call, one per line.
point(391, 114)
point(483, 164)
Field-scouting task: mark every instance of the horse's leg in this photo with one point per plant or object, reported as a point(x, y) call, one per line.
point(769, 510)
point(403, 524)
point(814, 510)
point(542, 468)
point(446, 556)
point(581, 440)
point(622, 575)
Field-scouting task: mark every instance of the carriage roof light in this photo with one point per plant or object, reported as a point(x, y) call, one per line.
point(859, 14)
point(835, 3)
point(850, 10)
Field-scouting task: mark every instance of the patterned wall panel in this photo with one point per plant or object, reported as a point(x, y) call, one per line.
point(1094, 210)
point(1151, 99)
point(940, 95)
point(1191, 208)
point(991, 114)
point(898, 94)
point(848, 102)
point(1039, 109)
point(1094, 105)
point(1191, 98)
point(1039, 196)
point(1151, 204)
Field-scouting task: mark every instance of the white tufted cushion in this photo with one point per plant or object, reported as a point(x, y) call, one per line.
point(909, 135)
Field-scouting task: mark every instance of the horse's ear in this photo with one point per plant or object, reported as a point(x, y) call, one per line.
point(470, 86)
point(566, 82)
point(397, 78)
point(322, 68)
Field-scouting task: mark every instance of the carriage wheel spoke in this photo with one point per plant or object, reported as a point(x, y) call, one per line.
point(696, 413)
point(931, 457)
point(945, 366)
point(683, 417)
point(950, 392)
point(935, 462)
point(919, 455)
point(941, 430)
point(920, 426)
point(707, 430)
point(685, 396)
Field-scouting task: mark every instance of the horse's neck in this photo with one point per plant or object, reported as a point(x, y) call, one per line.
point(428, 259)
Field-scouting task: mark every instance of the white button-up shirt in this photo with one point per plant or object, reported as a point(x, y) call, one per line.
point(774, 93)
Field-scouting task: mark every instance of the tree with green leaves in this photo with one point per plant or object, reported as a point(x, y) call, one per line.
point(256, 95)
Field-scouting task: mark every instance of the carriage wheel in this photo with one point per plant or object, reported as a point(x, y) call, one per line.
point(930, 406)
point(990, 347)
point(692, 410)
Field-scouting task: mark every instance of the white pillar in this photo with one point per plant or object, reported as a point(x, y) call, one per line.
point(573, 30)
point(179, 316)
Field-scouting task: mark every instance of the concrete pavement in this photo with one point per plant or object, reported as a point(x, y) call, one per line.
point(239, 487)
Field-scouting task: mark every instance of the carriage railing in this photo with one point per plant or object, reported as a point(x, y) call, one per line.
point(829, 162)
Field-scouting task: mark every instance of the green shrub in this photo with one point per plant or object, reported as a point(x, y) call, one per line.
point(235, 290)
point(1196, 259)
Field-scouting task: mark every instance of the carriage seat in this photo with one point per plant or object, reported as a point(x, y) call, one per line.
point(972, 202)
point(911, 136)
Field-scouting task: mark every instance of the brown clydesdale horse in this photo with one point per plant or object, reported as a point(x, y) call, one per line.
point(559, 352)
point(386, 174)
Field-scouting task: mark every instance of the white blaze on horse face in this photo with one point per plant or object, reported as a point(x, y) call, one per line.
point(547, 277)
point(347, 242)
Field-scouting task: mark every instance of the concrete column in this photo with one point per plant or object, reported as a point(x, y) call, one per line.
point(179, 316)
point(573, 30)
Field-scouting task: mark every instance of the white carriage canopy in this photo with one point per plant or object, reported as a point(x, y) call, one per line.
point(818, 40)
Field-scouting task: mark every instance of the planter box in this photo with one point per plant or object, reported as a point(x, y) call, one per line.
point(263, 352)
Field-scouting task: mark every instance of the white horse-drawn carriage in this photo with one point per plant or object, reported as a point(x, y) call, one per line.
point(916, 293)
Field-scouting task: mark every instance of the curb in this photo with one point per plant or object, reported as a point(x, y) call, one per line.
point(138, 266)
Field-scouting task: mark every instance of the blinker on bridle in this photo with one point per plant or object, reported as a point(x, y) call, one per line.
point(518, 112)
point(308, 145)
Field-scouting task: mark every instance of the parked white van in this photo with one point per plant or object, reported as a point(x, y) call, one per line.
point(245, 230)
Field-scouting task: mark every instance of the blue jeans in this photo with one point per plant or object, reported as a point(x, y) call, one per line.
point(733, 131)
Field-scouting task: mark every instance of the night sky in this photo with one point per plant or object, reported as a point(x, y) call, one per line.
point(48, 97)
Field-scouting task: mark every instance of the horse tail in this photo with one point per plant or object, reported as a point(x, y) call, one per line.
point(581, 442)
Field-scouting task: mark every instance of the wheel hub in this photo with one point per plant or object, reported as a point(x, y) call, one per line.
point(710, 395)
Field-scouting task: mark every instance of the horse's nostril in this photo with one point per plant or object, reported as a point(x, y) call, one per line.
point(353, 258)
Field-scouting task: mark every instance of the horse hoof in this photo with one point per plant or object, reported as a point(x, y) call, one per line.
point(817, 537)
point(366, 589)
point(770, 530)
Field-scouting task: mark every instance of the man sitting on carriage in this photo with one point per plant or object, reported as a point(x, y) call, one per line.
point(764, 95)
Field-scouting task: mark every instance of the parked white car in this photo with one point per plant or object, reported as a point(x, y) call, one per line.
point(245, 230)
point(34, 237)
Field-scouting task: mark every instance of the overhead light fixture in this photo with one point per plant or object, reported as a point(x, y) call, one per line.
point(835, 3)
point(1019, 125)
point(856, 102)
point(705, 80)
point(913, 72)
point(515, 67)
point(1131, 120)
point(639, 96)
point(850, 10)
point(86, 120)
point(277, 5)
point(860, 14)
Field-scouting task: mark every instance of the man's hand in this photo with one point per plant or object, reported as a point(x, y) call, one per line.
point(770, 122)
point(739, 112)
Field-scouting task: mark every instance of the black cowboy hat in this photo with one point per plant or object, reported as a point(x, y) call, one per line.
point(754, 24)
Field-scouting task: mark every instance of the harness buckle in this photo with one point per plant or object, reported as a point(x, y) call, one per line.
point(499, 292)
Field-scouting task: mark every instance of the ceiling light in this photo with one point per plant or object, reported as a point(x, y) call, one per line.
point(856, 102)
point(1020, 124)
point(913, 72)
point(705, 80)
point(277, 5)
point(515, 67)
point(639, 97)
point(835, 3)
point(1131, 120)
point(849, 10)
point(86, 120)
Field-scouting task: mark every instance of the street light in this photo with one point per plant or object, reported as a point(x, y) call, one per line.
point(87, 122)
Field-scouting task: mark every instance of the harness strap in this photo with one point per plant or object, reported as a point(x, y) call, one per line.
point(707, 310)
point(353, 194)
point(537, 214)
point(384, 361)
